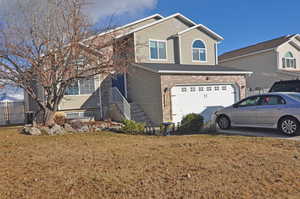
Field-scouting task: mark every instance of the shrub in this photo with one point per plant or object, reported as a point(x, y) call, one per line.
point(192, 122)
point(133, 127)
point(60, 118)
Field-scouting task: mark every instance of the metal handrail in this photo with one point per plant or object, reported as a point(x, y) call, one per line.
point(121, 103)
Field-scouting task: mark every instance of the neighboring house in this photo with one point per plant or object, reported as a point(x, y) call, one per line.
point(174, 72)
point(273, 60)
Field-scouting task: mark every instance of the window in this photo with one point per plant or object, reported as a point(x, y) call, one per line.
point(158, 49)
point(183, 90)
point(81, 87)
point(271, 100)
point(201, 89)
point(217, 88)
point(288, 61)
point(251, 101)
point(199, 51)
point(224, 88)
point(208, 89)
point(193, 89)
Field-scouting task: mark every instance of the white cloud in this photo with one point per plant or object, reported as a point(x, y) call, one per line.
point(103, 8)
point(100, 8)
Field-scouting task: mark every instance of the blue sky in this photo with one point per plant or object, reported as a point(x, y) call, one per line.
point(240, 22)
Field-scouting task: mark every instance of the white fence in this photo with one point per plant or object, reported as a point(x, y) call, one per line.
point(12, 113)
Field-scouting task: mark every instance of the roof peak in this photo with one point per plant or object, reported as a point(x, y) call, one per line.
point(264, 45)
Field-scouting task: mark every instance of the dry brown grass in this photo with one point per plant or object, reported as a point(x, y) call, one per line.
point(106, 165)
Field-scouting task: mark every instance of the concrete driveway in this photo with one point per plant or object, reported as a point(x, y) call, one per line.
point(254, 132)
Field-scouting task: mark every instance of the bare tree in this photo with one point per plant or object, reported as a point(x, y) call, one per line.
point(43, 44)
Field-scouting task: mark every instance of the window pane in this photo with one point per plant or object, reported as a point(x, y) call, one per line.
point(73, 89)
point(283, 63)
point(198, 44)
point(87, 86)
point(250, 101)
point(153, 50)
point(162, 50)
point(196, 55)
point(202, 55)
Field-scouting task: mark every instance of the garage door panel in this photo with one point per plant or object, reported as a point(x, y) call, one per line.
point(200, 99)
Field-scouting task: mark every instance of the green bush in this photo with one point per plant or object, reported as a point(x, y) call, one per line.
point(191, 123)
point(133, 127)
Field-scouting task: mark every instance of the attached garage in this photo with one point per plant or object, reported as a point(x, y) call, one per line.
point(167, 92)
point(201, 99)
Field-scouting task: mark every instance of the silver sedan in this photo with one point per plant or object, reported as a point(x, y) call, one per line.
point(272, 110)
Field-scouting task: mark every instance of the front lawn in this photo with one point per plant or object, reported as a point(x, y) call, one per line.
point(107, 165)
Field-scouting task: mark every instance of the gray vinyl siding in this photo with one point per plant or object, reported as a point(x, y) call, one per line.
point(263, 66)
point(186, 47)
point(144, 89)
point(161, 31)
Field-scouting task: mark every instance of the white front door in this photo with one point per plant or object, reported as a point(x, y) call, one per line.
point(201, 99)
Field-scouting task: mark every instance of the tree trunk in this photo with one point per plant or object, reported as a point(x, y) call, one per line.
point(48, 118)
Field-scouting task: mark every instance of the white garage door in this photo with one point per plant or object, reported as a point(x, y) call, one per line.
point(200, 99)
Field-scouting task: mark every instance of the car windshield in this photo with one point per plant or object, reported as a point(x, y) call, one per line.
point(286, 87)
point(295, 96)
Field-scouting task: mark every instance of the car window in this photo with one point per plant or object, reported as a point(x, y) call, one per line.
point(286, 87)
point(251, 101)
point(271, 100)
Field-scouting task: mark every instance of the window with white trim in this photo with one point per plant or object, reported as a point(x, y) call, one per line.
point(81, 87)
point(158, 49)
point(199, 51)
point(288, 61)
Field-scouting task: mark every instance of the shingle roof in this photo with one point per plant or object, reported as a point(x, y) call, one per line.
point(256, 47)
point(190, 69)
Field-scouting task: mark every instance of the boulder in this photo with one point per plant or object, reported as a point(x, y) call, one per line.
point(69, 128)
point(56, 130)
point(31, 131)
point(45, 130)
point(84, 129)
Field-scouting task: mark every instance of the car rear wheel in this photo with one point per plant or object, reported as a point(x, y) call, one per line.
point(289, 126)
point(223, 122)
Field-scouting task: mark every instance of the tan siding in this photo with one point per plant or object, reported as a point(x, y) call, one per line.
point(263, 66)
point(186, 47)
point(162, 31)
point(83, 102)
point(144, 89)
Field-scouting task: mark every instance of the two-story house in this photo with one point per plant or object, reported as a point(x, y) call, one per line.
point(270, 61)
point(174, 72)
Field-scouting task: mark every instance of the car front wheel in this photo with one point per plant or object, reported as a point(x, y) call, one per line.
point(223, 122)
point(289, 126)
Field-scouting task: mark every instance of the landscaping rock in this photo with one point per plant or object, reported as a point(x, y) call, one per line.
point(69, 128)
point(45, 130)
point(84, 129)
point(56, 130)
point(31, 131)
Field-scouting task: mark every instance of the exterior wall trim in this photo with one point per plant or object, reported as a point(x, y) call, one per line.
point(157, 22)
point(195, 72)
point(203, 27)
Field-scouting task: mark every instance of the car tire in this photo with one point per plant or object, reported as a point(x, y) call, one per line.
point(289, 126)
point(223, 122)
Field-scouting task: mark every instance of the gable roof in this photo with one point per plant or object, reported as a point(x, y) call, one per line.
point(263, 46)
point(125, 26)
point(189, 69)
point(160, 21)
point(205, 29)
